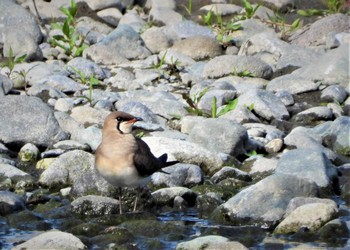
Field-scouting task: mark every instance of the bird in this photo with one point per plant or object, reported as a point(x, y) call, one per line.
point(124, 160)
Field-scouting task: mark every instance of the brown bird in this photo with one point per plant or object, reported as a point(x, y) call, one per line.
point(124, 160)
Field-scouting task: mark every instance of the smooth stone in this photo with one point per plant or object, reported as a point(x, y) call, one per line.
point(305, 217)
point(28, 153)
point(334, 93)
point(314, 114)
point(10, 203)
point(95, 205)
point(52, 239)
point(292, 84)
point(166, 196)
point(201, 242)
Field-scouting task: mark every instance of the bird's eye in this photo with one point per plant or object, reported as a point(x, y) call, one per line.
point(119, 119)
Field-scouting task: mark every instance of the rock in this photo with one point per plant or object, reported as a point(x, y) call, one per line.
point(111, 16)
point(344, 183)
point(28, 153)
point(198, 47)
point(335, 135)
point(187, 28)
point(53, 239)
point(241, 115)
point(166, 196)
point(306, 138)
point(281, 6)
point(174, 57)
point(272, 194)
point(274, 145)
point(292, 84)
point(182, 175)
point(221, 135)
point(222, 98)
point(91, 136)
point(120, 4)
point(19, 30)
point(222, 8)
point(334, 93)
point(95, 205)
point(75, 168)
point(265, 104)
point(201, 242)
point(87, 68)
point(305, 216)
point(71, 145)
point(163, 12)
point(300, 201)
point(331, 68)
point(282, 56)
point(316, 33)
point(314, 114)
point(310, 164)
point(230, 64)
point(34, 122)
point(6, 85)
point(229, 172)
point(155, 40)
point(117, 47)
point(285, 97)
point(10, 203)
point(334, 231)
point(87, 115)
point(133, 19)
point(263, 165)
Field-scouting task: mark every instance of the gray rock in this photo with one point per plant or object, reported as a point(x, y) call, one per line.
point(64, 104)
point(34, 122)
point(285, 97)
point(102, 95)
point(262, 164)
point(292, 84)
point(230, 172)
point(334, 229)
point(87, 115)
point(334, 93)
point(305, 217)
point(265, 201)
point(111, 16)
point(163, 12)
point(52, 240)
point(70, 145)
point(317, 32)
point(6, 85)
point(166, 196)
point(59, 82)
point(10, 203)
point(118, 47)
point(314, 114)
point(269, 131)
point(300, 201)
point(95, 205)
point(336, 109)
point(243, 84)
point(134, 20)
point(229, 64)
point(188, 122)
point(336, 134)
point(306, 138)
point(91, 136)
point(87, 68)
point(335, 39)
point(155, 40)
point(198, 47)
point(15, 22)
point(241, 115)
point(77, 169)
point(274, 146)
point(186, 152)
point(186, 175)
point(222, 8)
point(222, 135)
point(120, 4)
point(280, 5)
point(170, 105)
point(138, 109)
point(15, 175)
point(284, 57)
point(187, 28)
point(309, 164)
point(174, 57)
point(265, 104)
point(331, 68)
point(201, 242)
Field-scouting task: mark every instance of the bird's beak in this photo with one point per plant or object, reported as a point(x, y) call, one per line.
point(136, 119)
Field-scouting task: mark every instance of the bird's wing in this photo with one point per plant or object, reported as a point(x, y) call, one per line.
point(145, 162)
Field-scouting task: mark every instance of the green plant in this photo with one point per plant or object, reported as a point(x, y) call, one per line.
point(91, 81)
point(226, 108)
point(278, 22)
point(193, 101)
point(334, 6)
point(249, 10)
point(70, 40)
point(12, 61)
point(244, 73)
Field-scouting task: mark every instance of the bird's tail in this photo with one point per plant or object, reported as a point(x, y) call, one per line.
point(163, 158)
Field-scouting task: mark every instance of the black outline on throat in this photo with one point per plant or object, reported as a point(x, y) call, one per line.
point(118, 128)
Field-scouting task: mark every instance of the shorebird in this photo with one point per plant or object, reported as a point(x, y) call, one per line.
point(124, 160)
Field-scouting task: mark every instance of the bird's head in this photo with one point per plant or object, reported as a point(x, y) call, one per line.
point(121, 122)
